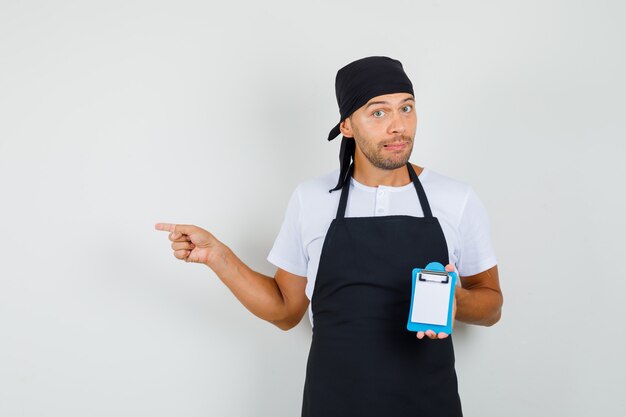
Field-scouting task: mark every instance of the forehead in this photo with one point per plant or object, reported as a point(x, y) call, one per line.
point(390, 98)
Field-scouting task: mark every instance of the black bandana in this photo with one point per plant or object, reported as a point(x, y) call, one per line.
point(355, 85)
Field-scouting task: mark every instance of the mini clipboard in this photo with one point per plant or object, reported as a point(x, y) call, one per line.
point(431, 299)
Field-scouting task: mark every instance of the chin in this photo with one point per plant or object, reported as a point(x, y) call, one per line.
point(395, 163)
point(391, 165)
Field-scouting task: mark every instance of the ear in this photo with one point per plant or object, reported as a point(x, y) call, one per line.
point(346, 128)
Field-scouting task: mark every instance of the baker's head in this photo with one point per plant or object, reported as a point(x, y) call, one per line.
point(378, 120)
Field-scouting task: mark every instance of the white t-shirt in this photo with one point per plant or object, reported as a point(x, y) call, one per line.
point(311, 209)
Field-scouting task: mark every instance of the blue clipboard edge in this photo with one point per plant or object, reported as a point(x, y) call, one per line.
point(422, 327)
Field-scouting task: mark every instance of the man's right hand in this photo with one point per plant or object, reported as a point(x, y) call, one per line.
point(192, 243)
point(280, 300)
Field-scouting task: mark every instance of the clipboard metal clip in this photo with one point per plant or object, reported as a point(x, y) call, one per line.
point(434, 276)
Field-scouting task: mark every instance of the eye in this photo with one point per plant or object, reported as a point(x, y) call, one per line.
point(407, 109)
point(378, 113)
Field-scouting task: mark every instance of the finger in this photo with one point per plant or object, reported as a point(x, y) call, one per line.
point(450, 268)
point(171, 227)
point(420, 335)
point(178, 237)
point(442, 335)
point(181, 254)
point(431, 334)
point(183, 245)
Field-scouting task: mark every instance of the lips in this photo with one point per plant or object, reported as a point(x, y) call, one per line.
point(395, 146)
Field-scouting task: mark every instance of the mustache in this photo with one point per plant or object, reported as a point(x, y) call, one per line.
point(398, 139)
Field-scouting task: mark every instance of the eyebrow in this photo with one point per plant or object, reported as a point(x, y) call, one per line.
point(386, 102)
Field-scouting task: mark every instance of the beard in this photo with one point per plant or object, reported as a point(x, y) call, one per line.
point(375, 153)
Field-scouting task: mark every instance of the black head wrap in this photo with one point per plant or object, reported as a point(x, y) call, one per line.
point(355, 85)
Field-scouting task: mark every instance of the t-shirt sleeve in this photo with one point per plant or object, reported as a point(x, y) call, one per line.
point(476, 251)
point(288, 252)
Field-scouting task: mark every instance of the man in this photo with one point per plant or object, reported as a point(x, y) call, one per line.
point(348, 257)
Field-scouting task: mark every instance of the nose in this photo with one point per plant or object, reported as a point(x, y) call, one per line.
point(397, 124)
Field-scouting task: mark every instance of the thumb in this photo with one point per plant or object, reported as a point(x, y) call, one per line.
point(453, 310)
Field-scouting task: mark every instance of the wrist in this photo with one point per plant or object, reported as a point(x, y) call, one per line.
point(460, 294)
point(218, 257)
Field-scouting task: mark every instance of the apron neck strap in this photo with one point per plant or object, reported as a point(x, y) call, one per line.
point(343, 200)
point(420, 191)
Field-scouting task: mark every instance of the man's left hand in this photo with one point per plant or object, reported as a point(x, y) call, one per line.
point(441, 335)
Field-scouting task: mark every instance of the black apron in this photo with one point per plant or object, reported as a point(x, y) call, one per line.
point(363, 361)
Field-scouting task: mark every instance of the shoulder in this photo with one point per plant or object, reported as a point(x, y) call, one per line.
point(317, 188)
point(443, 186)
point(316, 205)
point(451, 198)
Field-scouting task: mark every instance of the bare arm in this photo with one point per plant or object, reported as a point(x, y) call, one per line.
point(479, 300)
point(280, 300)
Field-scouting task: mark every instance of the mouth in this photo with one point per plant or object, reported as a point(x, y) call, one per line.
point(396, 146)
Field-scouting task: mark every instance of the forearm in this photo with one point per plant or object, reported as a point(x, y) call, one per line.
point(259, 293)
point(481, 306)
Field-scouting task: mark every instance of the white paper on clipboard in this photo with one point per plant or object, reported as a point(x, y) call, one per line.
point(430, 300)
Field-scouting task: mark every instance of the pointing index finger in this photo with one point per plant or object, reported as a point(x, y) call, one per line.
point(169, 227)
point(176, 229)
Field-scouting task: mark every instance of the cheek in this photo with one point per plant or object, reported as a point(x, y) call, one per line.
point(375, 125)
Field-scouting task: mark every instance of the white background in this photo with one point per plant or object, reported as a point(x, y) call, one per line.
point(117, 115)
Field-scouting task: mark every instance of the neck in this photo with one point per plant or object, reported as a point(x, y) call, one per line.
point(368, 174)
